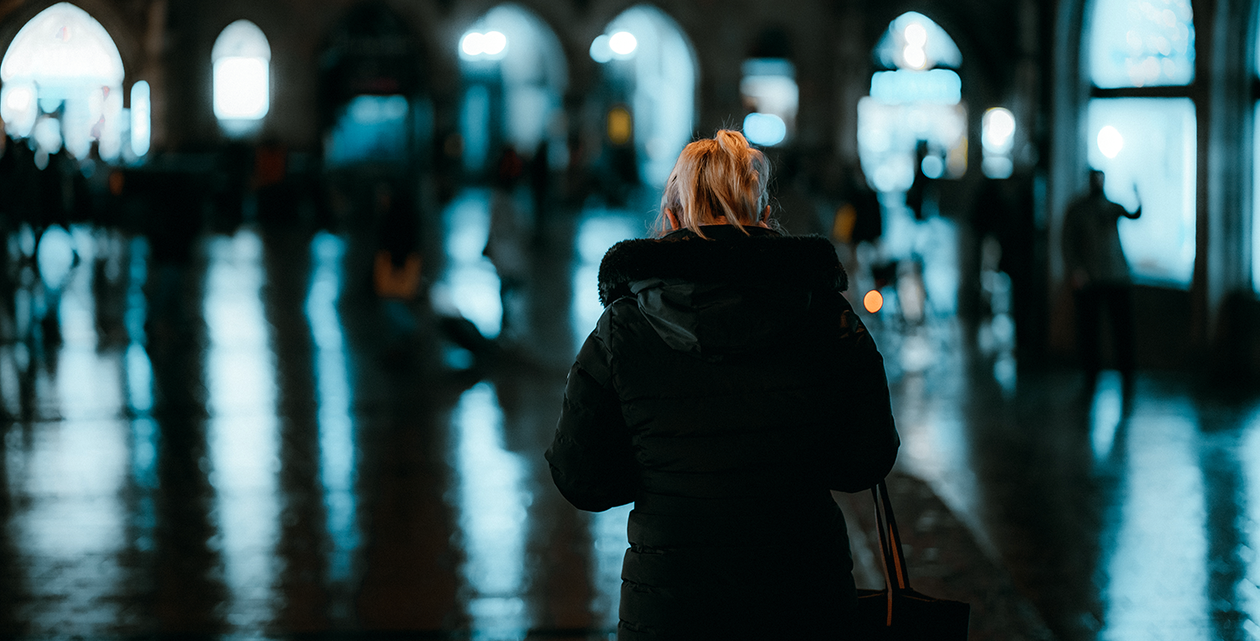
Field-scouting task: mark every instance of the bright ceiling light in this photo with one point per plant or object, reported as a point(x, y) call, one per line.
point(493, 43)
point(914, 56)
point(1110, 142)
point(916, 35)
point(473, 44)
point(623, 43)
point(601, 51)
point(998, 129)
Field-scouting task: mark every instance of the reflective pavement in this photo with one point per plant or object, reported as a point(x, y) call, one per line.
point(248, 442)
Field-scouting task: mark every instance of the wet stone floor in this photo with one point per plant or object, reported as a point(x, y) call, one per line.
point(249, 443)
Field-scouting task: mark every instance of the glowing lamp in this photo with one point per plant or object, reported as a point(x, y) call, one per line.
point(494, 43)
point(764, 129)
point(1110, 142)
point(873, 301)
point(623, 43)
point(998, 126)
point(473, 44)
point(915, 57)
point(620, 125)
point(915, 34)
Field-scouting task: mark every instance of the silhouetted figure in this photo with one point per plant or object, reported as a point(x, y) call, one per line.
point(1099, 276)
point(915, 194)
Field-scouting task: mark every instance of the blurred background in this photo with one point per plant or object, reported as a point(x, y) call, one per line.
point(289, 289)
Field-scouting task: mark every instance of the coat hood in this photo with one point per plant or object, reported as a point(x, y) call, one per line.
point(727, 293)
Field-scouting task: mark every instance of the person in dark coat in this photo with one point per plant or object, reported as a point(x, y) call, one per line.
point(727, 388)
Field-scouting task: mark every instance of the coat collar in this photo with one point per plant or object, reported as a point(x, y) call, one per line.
point(726, 255)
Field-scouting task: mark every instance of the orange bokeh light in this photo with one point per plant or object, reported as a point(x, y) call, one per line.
point(873, 301)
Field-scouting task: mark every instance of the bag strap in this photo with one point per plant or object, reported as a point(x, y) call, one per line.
point(896, 575)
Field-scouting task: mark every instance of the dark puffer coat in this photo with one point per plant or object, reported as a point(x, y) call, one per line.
point(726, 389)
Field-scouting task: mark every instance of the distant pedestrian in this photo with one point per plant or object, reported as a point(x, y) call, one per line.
point(1099, 276)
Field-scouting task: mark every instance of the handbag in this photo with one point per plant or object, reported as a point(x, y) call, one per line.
point(899, 613)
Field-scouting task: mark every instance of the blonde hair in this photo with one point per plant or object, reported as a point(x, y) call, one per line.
point(716, 180)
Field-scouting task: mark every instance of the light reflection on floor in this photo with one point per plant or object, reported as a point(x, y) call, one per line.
point(338, 448)
point(242, 442)
point(493, 508)
point(470, 286)
point(1154, 497)
point(1154, 577)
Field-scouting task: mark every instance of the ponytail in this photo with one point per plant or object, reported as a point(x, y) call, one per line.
point(719, 179)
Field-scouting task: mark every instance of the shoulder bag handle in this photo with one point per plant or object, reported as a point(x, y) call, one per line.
point(895, 573)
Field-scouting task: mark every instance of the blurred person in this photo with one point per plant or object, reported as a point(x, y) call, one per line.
point(727, 387)
point(1099, 276)
point(508, 240)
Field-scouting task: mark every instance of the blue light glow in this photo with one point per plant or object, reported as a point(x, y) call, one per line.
point(338, 447)
point(1141, 44)
point(372, 128)
point(937, 86)
point(766, 130)
point(1156, 162)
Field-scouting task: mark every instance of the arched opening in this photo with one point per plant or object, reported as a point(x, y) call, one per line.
point(375, 115)
point(913, 125)
point(648, 92)
point(515, 75)
point(912, 133)
point(62, 85)
point(1146, 141)
point(242, 77)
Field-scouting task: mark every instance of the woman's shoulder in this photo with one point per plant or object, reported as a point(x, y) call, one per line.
point(727, 254)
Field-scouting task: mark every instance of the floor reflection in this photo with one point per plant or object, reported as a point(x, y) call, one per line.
point(240, 438)
point(243, 448)
point(1154, 574)
point(338, 449)
point(493, 516)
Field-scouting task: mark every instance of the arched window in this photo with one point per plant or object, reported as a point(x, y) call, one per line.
point(62, 76)
point(242, 77)
point(650, 75)
point(913, 122)
point(1144, 140)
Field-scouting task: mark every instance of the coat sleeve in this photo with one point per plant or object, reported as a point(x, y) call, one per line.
point(591, 456)
point(864, 453)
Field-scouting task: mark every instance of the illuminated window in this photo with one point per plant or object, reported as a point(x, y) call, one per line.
point(1147, 147)
point(997, 139)
point(140, 118)
point(1139, 44)
point(913, 121)
point(242, 83)
point(63, 63)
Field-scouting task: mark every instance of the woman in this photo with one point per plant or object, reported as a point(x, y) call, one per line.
point(726, 389)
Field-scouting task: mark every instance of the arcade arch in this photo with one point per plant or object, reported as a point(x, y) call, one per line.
point(62, 81)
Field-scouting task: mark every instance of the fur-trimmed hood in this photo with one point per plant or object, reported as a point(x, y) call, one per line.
point(729, 292)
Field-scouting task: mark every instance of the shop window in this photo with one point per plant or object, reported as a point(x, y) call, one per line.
point(1146, 146)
